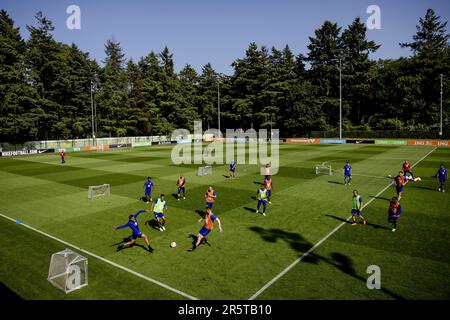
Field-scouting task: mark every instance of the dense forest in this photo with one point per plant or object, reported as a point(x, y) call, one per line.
point(45, 86)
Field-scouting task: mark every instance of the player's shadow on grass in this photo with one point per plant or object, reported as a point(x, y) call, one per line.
point(380, 198)
point(194, 240)
point(335, 182)
point(258, 183)
point(345, 264)
point(375, 226)
point(423, 187)
point(295, 241)
point(126, 240)
point(225, 176)
point(300, 244)
point(201, 213)
point(250, 209)
point(175, 196)
point(152, 223)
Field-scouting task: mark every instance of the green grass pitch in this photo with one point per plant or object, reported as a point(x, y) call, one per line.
point(252, 250)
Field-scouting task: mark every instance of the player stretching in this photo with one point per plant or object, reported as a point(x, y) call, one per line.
point(442, 175)
point(180, 184)
point(394, 212)
point(232, 169)
point(357, 207)
point(158, 207)
point(407, 168)
point(209, 218)
point(268, 186)
point(347, 173)
point(133, 225)
point(210, 197)
point(62, 155)
point(148, 185)
point(262, 199)
point(400, 180)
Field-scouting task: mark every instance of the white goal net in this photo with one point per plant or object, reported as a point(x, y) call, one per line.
point(68, 271)
point(98, 191)
point(204, 170)
point(324, 169)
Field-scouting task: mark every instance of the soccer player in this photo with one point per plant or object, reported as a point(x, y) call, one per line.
point(158, 208)
point(394, 212)
point(261, 196)
point(210, 197)
point(407, 169)
point(181, 189)
point(232, 169)
point(268, 186)
point(134, 226)
point(357, 207)
point(400, 180)
point(62, 155)
point(148, 185)
point(347, 173)
point(442, 174)
point(209, 218)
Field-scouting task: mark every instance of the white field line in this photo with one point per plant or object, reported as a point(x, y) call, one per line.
point(293, 264)
point(165, 286)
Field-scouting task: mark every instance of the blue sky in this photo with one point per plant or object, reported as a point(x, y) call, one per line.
point(218, 31)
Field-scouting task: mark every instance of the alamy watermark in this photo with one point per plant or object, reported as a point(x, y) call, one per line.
point(374, 20)
point(188, 152)
point(374, 280)
point(74, 19)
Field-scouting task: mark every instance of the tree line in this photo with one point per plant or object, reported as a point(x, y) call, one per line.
point(45, 86)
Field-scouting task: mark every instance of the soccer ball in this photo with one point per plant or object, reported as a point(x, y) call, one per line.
point(173, 244)
point(417, 179)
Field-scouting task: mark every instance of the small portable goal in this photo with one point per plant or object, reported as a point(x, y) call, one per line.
point(98, 191)
point(202, 171)
point(68, 271)
point(324, 169)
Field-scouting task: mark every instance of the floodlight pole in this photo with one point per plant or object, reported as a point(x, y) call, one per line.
point(340, 99)
point(92, 113)
point(218, 104)
point(440, 127)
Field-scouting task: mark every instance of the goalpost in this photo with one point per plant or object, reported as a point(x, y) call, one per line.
point(98, 191)
point(324, 169)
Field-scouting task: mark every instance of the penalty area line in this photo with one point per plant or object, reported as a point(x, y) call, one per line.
point(293, 264)
point(165, 286)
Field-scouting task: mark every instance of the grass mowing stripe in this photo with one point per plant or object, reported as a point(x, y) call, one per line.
point(106, 260)
point(293, 264)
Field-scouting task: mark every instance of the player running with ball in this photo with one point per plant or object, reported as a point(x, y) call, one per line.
point(209, 218)
point(158, 208)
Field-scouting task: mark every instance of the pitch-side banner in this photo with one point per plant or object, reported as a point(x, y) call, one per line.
point(298, 140)
point(360, 141)
point(25, 152)
point(394, 142)
point(334, 141)
point(435, 143)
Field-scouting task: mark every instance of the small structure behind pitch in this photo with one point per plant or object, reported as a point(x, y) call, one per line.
point(68, 271)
